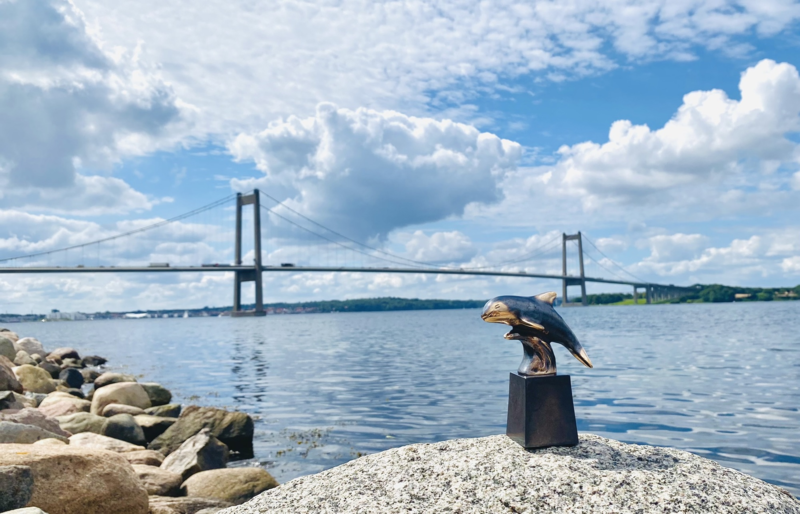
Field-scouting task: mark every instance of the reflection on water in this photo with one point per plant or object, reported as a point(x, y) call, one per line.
point(719, 380)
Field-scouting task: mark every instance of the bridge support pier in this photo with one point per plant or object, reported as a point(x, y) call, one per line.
point(572, 281)
point(253, 275)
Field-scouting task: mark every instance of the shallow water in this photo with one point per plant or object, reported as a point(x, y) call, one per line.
point(719, 380)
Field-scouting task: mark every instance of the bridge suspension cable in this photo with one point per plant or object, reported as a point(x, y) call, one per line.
point(158, 224)
point(338, 243)
point(611, 260)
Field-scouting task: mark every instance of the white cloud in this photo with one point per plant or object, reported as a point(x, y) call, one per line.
point(708, 141)
point(717, 156)
point(416, 57)
point(69, 106)
point(772, 255)
point(791, 264)
point(439, 247)
point(673, 247)
point(372, 171)
point(179, 243)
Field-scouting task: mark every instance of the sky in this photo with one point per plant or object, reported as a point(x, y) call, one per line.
point(454, 133)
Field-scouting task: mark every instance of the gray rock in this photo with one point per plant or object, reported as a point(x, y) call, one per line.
point(9, 400)
point(184, 505)
point(235, 485)
point(109, 378)
point(16, 487)
point(101, 442)
point(74, 391)
point(234, 429)
point(94, 360)
point(64, 353)
point(144, 457)
point(78, 480)
point(51, 368)
point(112, 409)
point(173, 410)
point(34, 379)
point(126, 393)
point(72, 377)
point(199, 453)
point(9, 381)
point(23, 358)
point(36, 398)
point(159, 395)
point(81, 422)
point(18, 433)
point(30, 416)
point(153, 426)
point(59, 403)
point(7, 347)
point(30, 345)
point(494, 474)
point(158, 481)
point(9, 334)
point(89, 375)
point(124, 428)
point(72, 363)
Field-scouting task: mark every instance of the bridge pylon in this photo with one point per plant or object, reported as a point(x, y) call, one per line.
point(253, 275)
point(572, 281)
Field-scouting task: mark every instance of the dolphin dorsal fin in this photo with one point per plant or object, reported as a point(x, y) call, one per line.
point(548, 297)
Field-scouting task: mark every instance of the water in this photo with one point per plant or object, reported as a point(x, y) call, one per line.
point(722, 381)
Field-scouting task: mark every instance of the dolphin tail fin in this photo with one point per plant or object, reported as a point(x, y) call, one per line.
point(579, 353)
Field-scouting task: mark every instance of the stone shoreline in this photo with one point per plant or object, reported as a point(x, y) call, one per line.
point(75, 438)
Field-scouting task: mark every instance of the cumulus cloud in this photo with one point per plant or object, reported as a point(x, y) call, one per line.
point(411, 56)
point(716, 156)
point(672, 247)
point(70, 106)
point(771, 254)
point(179, 243)
point(375, 171)
point(439, 247)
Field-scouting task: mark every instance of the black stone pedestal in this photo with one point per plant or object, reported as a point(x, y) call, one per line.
point(540, 411)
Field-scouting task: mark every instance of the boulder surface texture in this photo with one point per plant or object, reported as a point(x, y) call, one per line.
point(16, 487)
point(235, 485)
point(34, 379)
point(495, 474)
point(199, 453)
point(19, 433)
point(126, 393)
point(71, 480)
point(234, 429)
point(184, 505)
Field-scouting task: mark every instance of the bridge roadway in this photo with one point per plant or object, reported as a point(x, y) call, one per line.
point(296, 269)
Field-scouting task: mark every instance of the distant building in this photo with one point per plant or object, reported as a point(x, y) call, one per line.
point(741, 296)
point(56, 315)
point(136, 315)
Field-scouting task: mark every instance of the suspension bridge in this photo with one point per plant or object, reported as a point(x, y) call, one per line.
point(200, 241)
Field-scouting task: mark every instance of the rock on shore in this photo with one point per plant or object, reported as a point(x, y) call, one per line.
point(69, 480)
point(494, 474)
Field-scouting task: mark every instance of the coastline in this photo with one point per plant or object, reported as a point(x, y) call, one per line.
point(75, 437)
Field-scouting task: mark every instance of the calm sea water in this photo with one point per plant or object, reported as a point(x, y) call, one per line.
point(722, 381)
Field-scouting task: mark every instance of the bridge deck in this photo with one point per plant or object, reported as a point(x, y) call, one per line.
point(304, 269)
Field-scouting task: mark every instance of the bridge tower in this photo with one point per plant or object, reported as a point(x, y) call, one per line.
point(253, 275)
point(572, 281)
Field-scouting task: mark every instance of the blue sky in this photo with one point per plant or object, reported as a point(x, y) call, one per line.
point(461, 134)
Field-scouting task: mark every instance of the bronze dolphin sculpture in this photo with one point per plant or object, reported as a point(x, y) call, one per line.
point(536, 324)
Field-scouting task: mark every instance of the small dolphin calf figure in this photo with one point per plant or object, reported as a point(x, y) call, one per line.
point(536, 324)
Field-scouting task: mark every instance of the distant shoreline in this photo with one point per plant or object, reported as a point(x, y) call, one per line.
point(713, 293)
